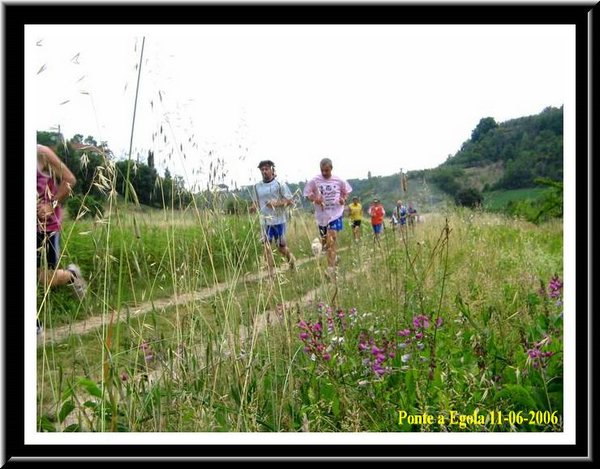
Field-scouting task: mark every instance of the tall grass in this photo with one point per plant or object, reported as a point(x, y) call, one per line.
point(181, 331)
point(447, 320)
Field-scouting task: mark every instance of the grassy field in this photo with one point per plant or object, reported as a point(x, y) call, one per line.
point(497, 201)
point(460, 319)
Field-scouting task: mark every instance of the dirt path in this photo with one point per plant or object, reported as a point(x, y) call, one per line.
point(244, 341)
point(242, 345)
point(61, 333)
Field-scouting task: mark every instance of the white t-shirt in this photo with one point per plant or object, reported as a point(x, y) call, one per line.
point(273, 190)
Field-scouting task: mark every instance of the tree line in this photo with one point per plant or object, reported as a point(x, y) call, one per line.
point(520, 153)
point(97, 174)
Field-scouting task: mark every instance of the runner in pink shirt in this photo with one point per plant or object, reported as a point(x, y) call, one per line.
point(54, 184)
point(328, 193)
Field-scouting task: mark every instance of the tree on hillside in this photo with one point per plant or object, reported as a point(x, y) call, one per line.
point(469, 197)
point(90, 141)
point(448, 179)
point(485, 125)
point(150, 158)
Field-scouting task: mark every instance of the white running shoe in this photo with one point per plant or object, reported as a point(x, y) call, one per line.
point(78, 283)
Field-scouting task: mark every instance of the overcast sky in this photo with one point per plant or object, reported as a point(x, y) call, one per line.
point(373, 98)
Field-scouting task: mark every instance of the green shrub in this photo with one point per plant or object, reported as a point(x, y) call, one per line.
point(78, 206)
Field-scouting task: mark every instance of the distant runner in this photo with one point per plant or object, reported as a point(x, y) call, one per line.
point(355, 209)
point(377, 213)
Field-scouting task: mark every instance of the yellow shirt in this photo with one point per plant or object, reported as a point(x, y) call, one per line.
point(355, 211)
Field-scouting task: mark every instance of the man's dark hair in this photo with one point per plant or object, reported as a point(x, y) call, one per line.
point(266, 163)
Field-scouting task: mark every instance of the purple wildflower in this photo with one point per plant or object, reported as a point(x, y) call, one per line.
point(421, 321)
point(147, 350)
point(311, 336)
point(302, 324)
point(376, 355)
point(555, 287)
point(538, 358)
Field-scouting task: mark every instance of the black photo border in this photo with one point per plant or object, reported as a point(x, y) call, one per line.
point(16, 15)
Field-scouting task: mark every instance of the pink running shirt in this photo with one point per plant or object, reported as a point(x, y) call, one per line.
point(331, 190)
point(46, 189)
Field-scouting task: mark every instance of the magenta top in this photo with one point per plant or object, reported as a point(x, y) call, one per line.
point(46, 189)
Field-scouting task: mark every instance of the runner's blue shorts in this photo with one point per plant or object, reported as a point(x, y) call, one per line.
point(275, 232)
point(335, 225)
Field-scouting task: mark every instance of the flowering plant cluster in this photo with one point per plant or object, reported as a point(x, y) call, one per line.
point(538, 355)
point(554, 290)
point(538, 358)
point(377, 350)
point(555, 287)
point(312, 336)
point(147, 351)
point(319, 343)
point(414, 339)
point(335, 319)
point(378, 358)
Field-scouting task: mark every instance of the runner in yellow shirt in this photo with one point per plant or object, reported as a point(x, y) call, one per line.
point(355, 217)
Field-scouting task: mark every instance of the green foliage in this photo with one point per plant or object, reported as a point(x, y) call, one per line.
point(227, 355)
point(498, 201)
point(90, 165)
point(380, 348)
point(485, 125)
point(549, 204)
point(469, 197)
point(448, 179)
point(527, 148)
point(518, 398)
point(138, 182)
point(80, 207)
point(49, 139)
point(236, 206)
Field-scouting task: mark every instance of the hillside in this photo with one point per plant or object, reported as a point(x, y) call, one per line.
point(509, 155)
point(499, 157)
